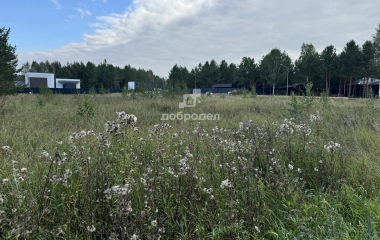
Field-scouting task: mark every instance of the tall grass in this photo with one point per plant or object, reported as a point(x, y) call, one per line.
point(125, 174)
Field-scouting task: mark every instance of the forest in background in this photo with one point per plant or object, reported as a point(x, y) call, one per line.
point(327, 70)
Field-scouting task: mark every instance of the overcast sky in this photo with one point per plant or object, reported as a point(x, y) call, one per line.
point(156, 34)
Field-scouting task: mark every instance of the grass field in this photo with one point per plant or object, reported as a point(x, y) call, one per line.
point(269, 168)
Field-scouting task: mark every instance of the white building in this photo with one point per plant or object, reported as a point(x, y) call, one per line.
point(36, 80)
point(67, 83)
point(131, 85)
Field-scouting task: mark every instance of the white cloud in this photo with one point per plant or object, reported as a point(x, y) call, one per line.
point(56, 3)
point(156, 35)
point(83, 13)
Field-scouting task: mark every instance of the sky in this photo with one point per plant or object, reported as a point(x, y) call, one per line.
point(156, 34)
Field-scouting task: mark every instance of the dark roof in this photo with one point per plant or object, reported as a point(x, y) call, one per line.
point(19, 83)
point(225, 85)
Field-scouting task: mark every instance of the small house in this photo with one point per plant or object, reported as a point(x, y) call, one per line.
point(37, 80)
point(67, 83)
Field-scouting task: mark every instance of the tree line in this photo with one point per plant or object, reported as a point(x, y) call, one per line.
point(327, 70)
point(91, 75)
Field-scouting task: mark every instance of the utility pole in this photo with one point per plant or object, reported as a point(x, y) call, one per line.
point(287, 79)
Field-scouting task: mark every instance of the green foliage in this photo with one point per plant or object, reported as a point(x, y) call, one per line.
point(309, 97)
point(300, 104)
point(92, 91)
point(45, 91)
point(253, 92)
point(240, 91)
point(102, 90)
point(304, 178)
point(86, 109)
point(125, 92)
point(134, 95)
point(141, 88)
point(296, 105)
point(44, 95)
point(325, 100)
point(8, 63)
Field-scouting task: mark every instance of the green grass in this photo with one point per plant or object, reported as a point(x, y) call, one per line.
point(282, 181)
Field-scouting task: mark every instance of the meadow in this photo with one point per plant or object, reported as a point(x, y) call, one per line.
point(107, 167)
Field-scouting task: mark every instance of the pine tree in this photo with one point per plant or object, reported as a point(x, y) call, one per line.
point(8, 63)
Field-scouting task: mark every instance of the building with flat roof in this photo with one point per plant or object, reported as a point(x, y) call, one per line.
point(37, 80)
point(67, 83)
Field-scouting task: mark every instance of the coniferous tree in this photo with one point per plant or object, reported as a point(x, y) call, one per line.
point(8, 63)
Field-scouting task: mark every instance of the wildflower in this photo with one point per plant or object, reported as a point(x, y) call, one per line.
point(154, 223)
point(23, 170)
point(290, 166)
point(320, 161)
point(257, 228)
point(5, 148)
point(1, 199)
point(316, 169)
point(68, 174)
point(45, 154)
point(226, 183)
point(91, 228)
point(134, 237)
point(331, 146)
point(19, 179)
point(299, 170)
point(5, 180)
point(14, 210)
point(14, 162)
point(344, 123)
point(59, 142)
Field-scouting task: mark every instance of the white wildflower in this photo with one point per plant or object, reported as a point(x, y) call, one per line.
point(91, 228)
point(154, 223)
point(257, 228)
point(226, 183)
point(23, 170)
point(5, 148)
point(5, 180)
point(134, 237)
point(290, 166)
point(316, 169)
point(45, 154)
point(59, 142)
point(331, 146)
point(299, 170)
point(1, 199)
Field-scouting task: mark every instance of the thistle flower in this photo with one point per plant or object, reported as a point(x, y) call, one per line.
point(331, 146)
point(134, 237)
point(226, 183)
point(154, 223)
point(45, 154)
point(290, 166)
point(5, 148)
point(91, 228)
point(23, 170)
